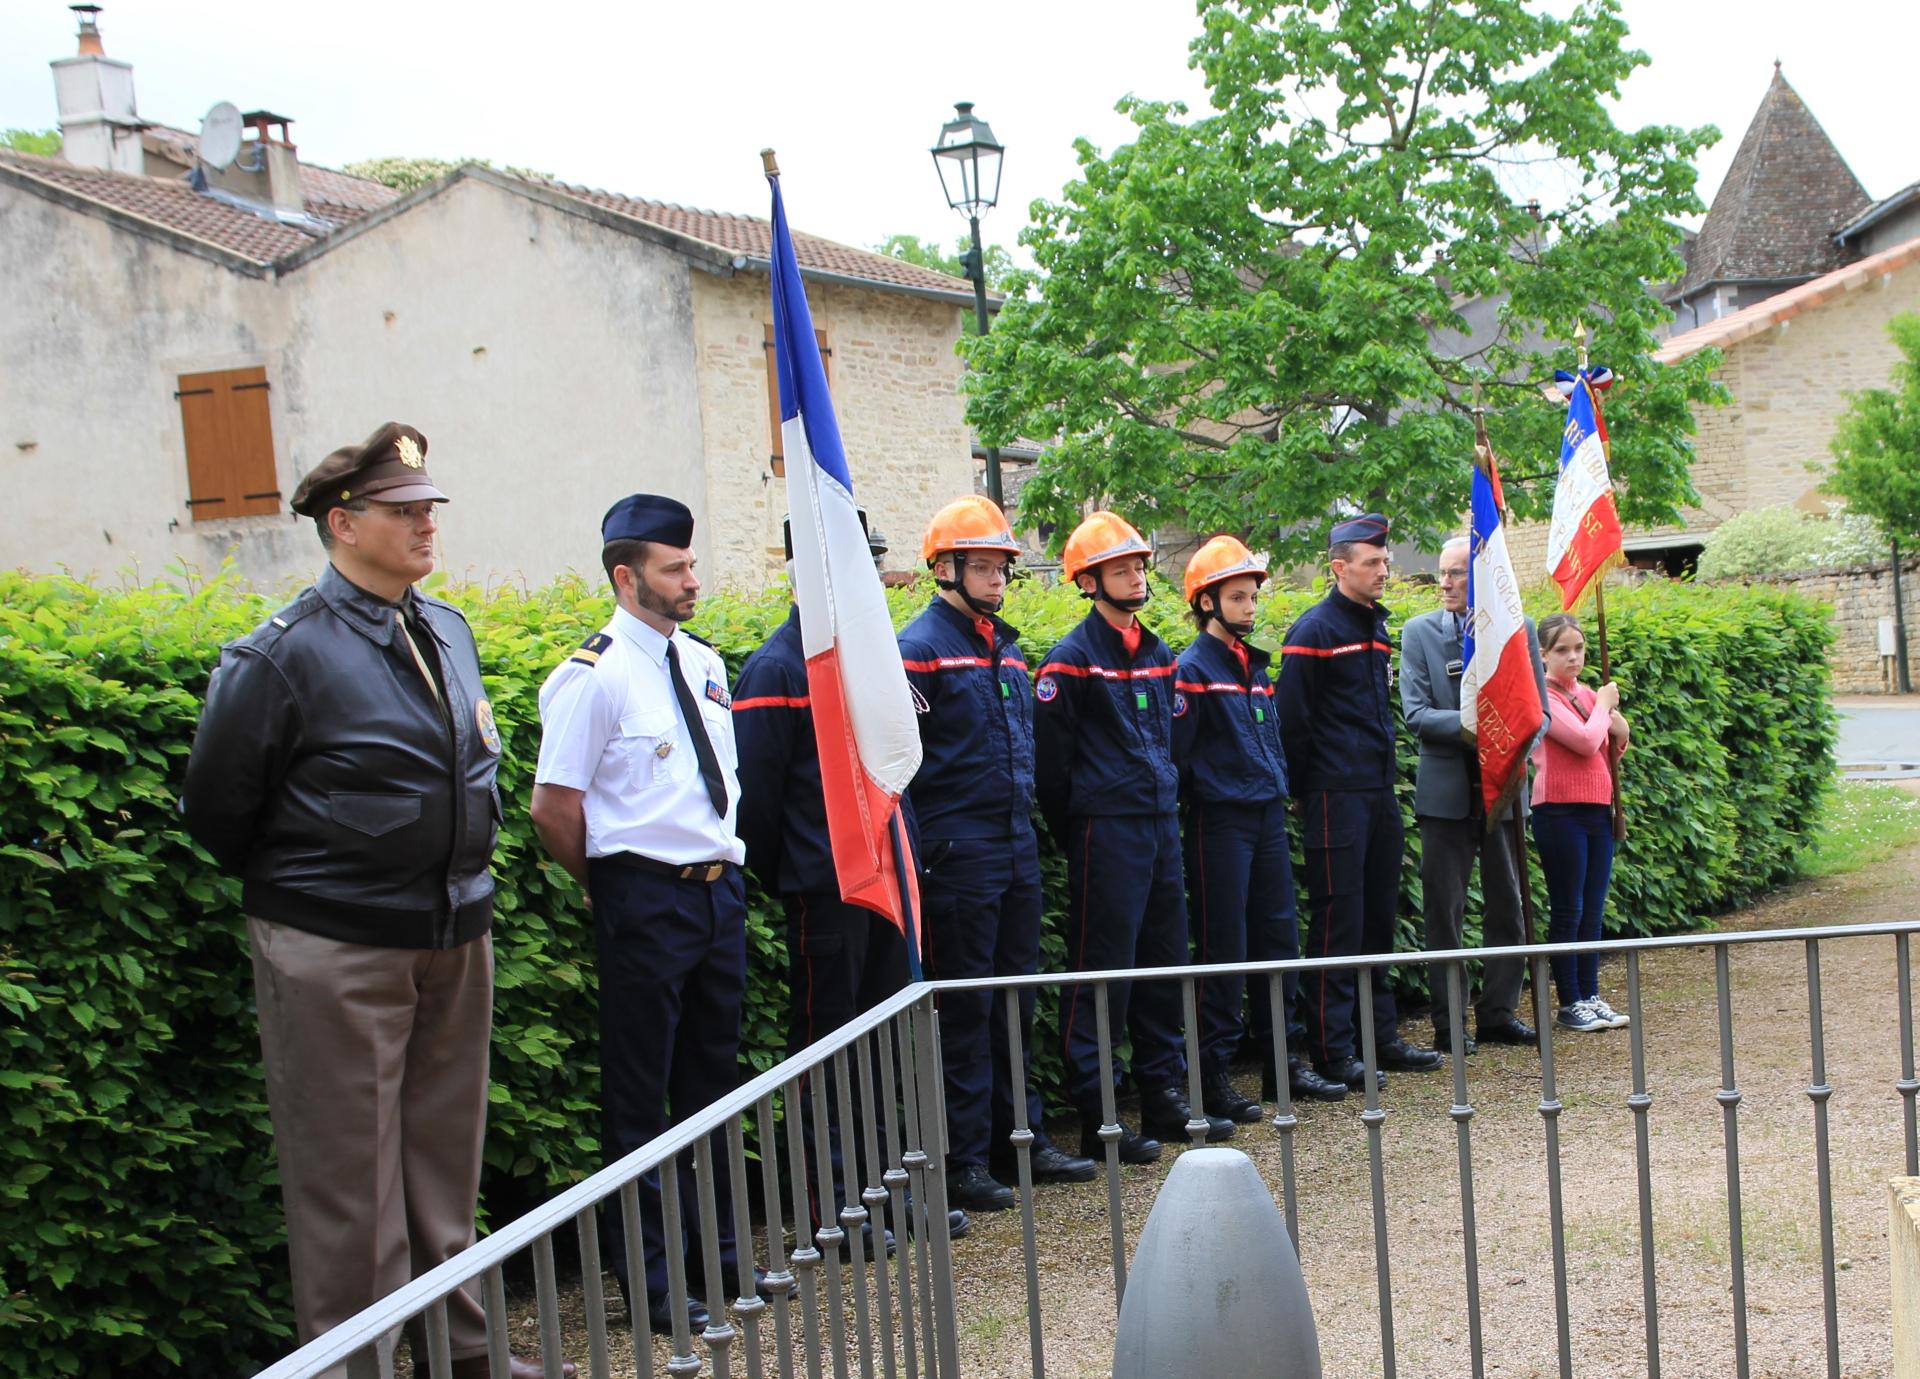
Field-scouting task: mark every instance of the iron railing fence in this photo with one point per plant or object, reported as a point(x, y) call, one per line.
point(895, 1316)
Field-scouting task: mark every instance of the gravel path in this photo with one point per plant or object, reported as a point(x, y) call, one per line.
point(1781, 1230)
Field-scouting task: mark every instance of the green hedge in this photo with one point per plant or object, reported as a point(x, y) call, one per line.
point(142, 1222)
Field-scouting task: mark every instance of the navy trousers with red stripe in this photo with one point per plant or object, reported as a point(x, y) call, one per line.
point(1124, 909)
point(1354, 843)
point(1240, 903)
point(842, 960)
point(980, 898)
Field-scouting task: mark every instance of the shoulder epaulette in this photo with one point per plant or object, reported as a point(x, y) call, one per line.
point(696, 637)
point(591, 648)
point(270, 630)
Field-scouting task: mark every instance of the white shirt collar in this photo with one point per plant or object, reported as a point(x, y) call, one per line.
point(643, 636)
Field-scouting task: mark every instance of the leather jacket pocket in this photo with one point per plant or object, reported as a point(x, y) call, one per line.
point(375, 815)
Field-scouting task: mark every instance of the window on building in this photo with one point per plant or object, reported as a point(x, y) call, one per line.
point(229, 436)
point(778, 453)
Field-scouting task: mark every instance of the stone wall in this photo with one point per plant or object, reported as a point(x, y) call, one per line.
point(895, 381)
point(1860, 596)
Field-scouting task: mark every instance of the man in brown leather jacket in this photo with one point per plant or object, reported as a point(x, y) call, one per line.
point(344, 770)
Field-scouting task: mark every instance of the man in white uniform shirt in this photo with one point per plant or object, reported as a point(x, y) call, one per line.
point(635, 795)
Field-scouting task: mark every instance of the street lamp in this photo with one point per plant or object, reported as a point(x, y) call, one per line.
point(967, 157)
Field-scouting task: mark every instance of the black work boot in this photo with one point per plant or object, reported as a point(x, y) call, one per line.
point(1223, 1099)
point(1165, 1111)
point(1134, 1149)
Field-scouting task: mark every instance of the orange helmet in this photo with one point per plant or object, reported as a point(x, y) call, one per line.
point(972, 523)
point(1103, 536)
point(1221, 559)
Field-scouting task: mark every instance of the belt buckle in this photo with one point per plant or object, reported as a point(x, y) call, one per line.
point(701, 871)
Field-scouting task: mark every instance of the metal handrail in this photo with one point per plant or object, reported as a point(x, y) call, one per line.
point(423, 1298)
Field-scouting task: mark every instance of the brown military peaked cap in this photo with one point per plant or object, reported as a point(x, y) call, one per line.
point(390, 467)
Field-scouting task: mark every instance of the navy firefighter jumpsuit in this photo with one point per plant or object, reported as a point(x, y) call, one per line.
point(1336, 721)
point(1108, 789)
point(1233, 785)
point(980, 878)
point(841, 959)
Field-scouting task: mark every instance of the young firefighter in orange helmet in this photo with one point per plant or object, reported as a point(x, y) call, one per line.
point(980, 890)
point(1103, 734)
point(1233, 785)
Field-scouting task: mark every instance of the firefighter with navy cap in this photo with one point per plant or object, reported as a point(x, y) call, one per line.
point(980, 883)
point(1233, 784)
point(1336, 724)
point(842, 959)
point(635, 794)
point(1108, 788)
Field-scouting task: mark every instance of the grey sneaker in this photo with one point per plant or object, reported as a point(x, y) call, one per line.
point(1613, 1018)
point(1581, 1016)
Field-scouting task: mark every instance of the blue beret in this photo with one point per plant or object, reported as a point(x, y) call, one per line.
point(1370, 529)
point(648, 517)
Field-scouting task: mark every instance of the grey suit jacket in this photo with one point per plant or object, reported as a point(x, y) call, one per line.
point(1430, 697)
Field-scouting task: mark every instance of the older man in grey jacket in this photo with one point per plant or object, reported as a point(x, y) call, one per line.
point(1452, 816)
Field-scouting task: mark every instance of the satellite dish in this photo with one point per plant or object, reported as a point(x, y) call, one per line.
point(220, 135)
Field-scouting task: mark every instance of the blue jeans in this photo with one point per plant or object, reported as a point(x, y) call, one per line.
point(1576, 853)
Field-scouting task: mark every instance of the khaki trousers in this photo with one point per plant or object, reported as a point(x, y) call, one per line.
point(376, 1064)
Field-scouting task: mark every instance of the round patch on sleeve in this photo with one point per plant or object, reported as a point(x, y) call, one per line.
point(489, 730)
point(1045, 689)
point(920, 704)
point(1179, 705)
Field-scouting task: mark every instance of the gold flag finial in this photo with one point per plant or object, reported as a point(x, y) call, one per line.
point(1580, 343)
point(766, 161)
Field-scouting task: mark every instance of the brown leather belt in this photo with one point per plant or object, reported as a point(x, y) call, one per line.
point(691, 871)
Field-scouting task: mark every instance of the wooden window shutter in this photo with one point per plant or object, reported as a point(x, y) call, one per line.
point(228, 428)
point(778, 453)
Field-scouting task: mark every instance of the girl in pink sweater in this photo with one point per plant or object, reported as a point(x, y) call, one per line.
point(1573, 817)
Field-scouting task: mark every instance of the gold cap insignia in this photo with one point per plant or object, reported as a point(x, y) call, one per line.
point(345, 494)
point(409, 450)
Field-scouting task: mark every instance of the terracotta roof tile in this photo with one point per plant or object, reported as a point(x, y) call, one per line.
point(753, 238)
point(340, 199)
point(170, 203)
point(1783, 306)
point(1786, 193)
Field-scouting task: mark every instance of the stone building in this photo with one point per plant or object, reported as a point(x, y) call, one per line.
point(1793, 277)
point(185, 336)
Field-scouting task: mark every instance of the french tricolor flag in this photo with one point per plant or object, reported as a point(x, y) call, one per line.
point(863, 713)
point(1500, 709)
point(1584, 541)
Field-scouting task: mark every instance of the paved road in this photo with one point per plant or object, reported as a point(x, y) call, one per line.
point(1879, 735)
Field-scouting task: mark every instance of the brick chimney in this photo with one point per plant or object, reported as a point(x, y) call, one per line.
point(99, 125)
point(272, 150)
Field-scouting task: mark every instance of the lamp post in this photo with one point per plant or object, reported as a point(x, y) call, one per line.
point(968, 159)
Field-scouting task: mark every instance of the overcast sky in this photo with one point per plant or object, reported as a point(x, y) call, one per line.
point(673, 101)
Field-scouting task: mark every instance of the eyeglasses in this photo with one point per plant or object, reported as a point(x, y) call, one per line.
point(1453, 572)
point(987, 569)
point(408, 512)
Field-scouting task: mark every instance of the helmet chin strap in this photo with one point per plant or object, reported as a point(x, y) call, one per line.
point(1100, 594)
point(959, 586)
point(1242, 630)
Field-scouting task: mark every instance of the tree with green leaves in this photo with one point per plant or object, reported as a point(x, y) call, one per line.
point(45, 142)
point(406, 174)
point(913, 249)
point(1249, 319)
point(1876, 448)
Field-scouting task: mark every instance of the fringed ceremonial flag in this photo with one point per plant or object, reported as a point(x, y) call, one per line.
point(1584, 541)
point(1500, 707)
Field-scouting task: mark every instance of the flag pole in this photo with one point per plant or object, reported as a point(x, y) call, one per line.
point(1600, 613)
point(1483, 458)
